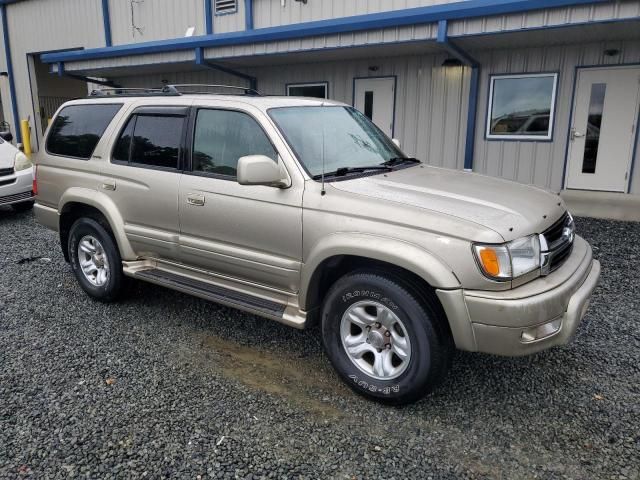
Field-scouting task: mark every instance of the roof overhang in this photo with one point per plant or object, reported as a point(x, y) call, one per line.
point(391, 19)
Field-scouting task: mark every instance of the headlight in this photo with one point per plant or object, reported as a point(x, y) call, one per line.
point(511, 260)
point(21, 162)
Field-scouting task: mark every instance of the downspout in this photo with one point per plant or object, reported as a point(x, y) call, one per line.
point(208, 17)
point(12, 84)
point(201, 61)
point(106, 19)
point(105, 83)
point(248, 14)
point(472, 110)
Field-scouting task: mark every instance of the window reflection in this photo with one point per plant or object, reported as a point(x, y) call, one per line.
point(522, 106)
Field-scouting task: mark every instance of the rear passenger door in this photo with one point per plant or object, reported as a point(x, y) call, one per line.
point(250, 233)
point(143, 176)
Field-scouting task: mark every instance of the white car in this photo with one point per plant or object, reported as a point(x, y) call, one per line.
point(16, 176)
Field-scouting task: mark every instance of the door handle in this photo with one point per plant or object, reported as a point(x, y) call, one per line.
point(195, 199)
point(109, 185)
point(575, 134)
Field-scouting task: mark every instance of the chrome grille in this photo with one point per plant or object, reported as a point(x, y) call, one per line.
point(556, 244)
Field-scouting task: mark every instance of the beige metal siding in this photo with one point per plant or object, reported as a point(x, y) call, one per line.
point(154, 19)
point(547, 18)
point(268, 13)
point(540, 163)
point(229, 22)
point(42, 25)
point(344, 40)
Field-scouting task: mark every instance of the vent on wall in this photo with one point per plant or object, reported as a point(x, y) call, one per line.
point(226, 6)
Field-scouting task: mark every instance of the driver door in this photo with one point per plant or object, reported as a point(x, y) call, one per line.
point(249, 233)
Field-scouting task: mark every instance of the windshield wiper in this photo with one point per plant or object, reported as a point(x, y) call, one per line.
point(392, 162)
point(342, 171)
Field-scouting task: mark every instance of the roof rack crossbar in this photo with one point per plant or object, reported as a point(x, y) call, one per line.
point(246, 90)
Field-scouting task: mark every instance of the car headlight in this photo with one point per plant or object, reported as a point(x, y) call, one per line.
point(510, 260)
point(21, 162)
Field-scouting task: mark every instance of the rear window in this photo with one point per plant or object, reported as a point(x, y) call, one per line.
point(78, 128)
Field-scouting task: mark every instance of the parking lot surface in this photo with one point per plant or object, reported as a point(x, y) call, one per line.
point(166, 385)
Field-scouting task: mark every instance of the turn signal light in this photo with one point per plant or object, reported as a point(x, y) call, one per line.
point(489, 261)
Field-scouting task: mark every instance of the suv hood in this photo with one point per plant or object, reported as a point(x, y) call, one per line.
point(508, 208)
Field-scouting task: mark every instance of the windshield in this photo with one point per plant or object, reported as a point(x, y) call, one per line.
point(342, 137)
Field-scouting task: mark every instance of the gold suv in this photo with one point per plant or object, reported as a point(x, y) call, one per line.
point(301, 210)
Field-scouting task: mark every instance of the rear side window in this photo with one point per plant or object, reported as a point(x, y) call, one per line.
point(78, 128)
point(150, 140)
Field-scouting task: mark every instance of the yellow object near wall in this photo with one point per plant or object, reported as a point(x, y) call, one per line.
point(25, 129)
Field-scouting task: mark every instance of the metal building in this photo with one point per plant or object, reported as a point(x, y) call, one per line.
point(545, 92)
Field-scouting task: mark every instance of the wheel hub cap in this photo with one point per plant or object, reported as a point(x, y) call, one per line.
point(93, 260)
point(375, 340)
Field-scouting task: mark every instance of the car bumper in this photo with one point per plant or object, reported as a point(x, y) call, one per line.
point(16, 188)
point(538, 315)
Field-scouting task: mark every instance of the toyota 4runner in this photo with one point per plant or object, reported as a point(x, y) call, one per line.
point(301, 210)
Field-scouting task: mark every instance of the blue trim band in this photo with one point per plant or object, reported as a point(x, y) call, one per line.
point(12, 84)
point(248, 14)
point(208, 17)
point(106, 19)
point(412, 16)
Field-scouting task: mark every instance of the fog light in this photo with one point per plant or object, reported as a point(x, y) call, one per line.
point(541, 331)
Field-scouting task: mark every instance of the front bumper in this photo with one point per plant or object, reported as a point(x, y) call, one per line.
point(540, 314)
point(16, 188)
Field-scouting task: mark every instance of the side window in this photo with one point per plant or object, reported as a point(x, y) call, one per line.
point(150, 140)
point(78, 128)
point(222, 137)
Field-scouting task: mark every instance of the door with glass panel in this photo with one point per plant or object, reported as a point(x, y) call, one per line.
point(250, 233)
point(603, 133)
point(375, 97)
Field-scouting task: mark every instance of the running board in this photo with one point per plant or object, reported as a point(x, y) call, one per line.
point(280, 306)
point(212, 292)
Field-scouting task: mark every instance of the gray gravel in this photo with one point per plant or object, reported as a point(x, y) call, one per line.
point(165, 385)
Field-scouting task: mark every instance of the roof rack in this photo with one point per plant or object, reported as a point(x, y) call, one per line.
point(134, 92)
point(246, 90)
point(167, 90)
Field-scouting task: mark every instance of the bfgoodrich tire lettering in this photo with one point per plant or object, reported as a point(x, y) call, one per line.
point(416, 313)
point(107, 288)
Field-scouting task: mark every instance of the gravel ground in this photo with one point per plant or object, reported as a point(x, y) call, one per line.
point(165, 385)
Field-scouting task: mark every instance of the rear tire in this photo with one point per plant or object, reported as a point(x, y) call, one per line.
point(22, 206)
point(95, 260)
point(384, 338)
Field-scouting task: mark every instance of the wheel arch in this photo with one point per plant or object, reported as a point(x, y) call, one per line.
point(80, 202)
point(340, 253)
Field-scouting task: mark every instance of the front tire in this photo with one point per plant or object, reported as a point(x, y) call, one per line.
point(95, 260)
point(384, 338)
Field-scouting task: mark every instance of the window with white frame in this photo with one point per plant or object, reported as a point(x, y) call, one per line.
point(521, 107)
point(317, 90)
point(226, 6)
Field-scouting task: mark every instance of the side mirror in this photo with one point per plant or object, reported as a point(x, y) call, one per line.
point(261, 170)
point(6, 136)
point(396, 141)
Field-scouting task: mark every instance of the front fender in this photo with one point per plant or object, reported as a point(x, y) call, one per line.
point(105, 205)
point(414, 258)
